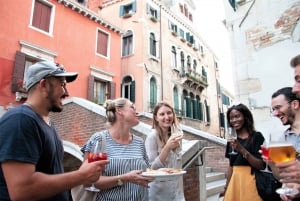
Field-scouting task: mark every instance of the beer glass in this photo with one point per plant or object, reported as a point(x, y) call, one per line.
point(283, 152)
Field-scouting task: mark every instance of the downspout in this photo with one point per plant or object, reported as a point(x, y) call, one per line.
point(247, 13)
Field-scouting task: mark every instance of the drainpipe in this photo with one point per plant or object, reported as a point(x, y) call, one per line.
point(160, 52)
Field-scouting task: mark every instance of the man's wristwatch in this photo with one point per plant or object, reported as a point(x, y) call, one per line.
point(120, 182)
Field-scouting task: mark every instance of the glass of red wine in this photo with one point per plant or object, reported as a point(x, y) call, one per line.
point(96, 154)
point(265, 153)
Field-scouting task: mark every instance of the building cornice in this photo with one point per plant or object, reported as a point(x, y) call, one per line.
point(89, 14)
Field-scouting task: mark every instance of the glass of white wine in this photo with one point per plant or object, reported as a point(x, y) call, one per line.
point(280, 152)
point(231, 135)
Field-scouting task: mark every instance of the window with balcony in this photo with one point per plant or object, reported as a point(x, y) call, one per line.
point(102, 43)
point(154, 15)
point(127, 43)
point(152, 45)
point(127, 10)
point(42, 16)
point(173, 28)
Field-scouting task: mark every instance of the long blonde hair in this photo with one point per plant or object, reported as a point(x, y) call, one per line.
point(155, 124)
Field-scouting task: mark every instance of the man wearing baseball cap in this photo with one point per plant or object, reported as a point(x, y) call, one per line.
point(31, 152)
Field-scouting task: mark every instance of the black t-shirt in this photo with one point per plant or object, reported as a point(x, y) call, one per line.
point(252, 145)
point(25, 137)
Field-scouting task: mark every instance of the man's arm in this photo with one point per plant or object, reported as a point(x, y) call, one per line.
point(24, 183)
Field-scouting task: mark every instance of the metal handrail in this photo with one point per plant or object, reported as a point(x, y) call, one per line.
point(196, 156)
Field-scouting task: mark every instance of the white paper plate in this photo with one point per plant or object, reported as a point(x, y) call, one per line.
point(163, 176)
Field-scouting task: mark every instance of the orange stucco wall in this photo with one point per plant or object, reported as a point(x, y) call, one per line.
point(73, 39)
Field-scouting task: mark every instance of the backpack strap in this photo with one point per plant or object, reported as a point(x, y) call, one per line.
point(103, 141)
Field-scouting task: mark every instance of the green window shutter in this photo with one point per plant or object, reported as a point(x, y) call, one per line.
point(188, 107)
point(132, 91)
point(148, 8)
point(207, 113)
point(18, 71)
point(222, 120)
point(194, 109)
point(176, 101)
point(200, 111)
point(153, 93)
point(90, 94)
point(121, 11)
point(218, 87)
point(197, 109)
point(134, 7)
point(111, 90)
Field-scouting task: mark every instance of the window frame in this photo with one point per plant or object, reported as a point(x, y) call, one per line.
point(127, 48)
point(51, 17)
point(99, 42)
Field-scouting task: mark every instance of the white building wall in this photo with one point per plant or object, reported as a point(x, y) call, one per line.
point(262, 46)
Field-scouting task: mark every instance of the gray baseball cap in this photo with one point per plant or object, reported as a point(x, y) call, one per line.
point(43, 69)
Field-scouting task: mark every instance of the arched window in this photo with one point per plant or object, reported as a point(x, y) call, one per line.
point(174, 58)
point(153, 92)
point(152, 45)
point(128, 88)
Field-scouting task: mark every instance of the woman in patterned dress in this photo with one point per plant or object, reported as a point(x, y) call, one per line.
point(121, 180)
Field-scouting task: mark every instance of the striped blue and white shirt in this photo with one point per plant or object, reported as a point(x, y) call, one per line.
point(123, 158)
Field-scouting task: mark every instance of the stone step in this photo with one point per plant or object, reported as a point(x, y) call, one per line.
point(214, 176)
point(215, 187)
point(214, 197)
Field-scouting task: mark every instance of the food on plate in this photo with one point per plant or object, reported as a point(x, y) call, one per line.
point(163, 170)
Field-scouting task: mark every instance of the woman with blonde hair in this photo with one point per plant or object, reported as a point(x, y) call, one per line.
point(163, 150)
point(121, 179)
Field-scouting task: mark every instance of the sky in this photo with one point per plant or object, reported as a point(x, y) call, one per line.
point(209, 16)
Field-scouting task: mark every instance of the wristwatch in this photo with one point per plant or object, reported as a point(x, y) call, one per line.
point(120, 182)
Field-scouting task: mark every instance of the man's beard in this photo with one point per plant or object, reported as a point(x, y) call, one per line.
point(291, 117)
point(53, 107)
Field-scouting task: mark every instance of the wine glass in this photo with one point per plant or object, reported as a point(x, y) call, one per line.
point(283, 152)
point(96, 154)
point(265, 153)
point(231, 135)
point(176, 130)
